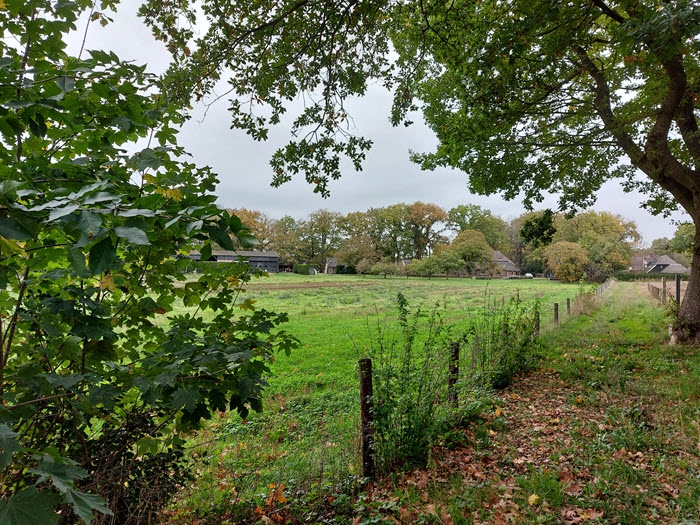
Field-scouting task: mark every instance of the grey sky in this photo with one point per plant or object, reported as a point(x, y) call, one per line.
point(388, 176)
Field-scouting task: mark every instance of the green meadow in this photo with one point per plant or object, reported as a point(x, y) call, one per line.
point(306, 441)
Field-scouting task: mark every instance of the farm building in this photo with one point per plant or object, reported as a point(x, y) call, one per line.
point(657, 264)
point(267, 261)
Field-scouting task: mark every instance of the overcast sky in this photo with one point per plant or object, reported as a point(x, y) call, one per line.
point(388, 176)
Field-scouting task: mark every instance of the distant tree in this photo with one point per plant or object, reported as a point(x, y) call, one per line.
point(474, 217)
point(567, 260)
point(319, 236)
point(424, 223)
point(472, 248)
point(260, 225)
point(426, 267)
point(285, 240)
point(384, 268)
point(683, 240)
point(608, 238)
point(449, 262)
point(389, 232)
point(353, 249)
point(364, 266)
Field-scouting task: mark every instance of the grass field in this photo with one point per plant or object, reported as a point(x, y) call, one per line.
point(299, 460)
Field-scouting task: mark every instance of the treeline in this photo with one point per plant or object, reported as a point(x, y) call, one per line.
point(461, 238)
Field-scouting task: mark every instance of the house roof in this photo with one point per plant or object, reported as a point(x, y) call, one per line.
point(504, 262)
point(669, 268)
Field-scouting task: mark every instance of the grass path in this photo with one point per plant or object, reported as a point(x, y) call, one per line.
point(607, 432)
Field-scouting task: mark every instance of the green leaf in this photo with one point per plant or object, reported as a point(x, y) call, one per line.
point(101, 256)
point(8, 445)
point(186, 397)
point(205, 252)
point(29, 507)
point(8, 188)
point(221, 237)
point(89, 222)
point(133, 235)
point(11, 229)
point(61, 473)
point(84, 503)
point(66, 84)
point(76, 258)
point(57, 213)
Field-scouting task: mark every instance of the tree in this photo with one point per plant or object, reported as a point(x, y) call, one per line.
point(567, 260)
point(354, 249)
point(526, 97)
point(472, 248)
point(260, 224)
point(99, 376)
point(384, 268)
point(319, 236)
point(474, 217)
point(422, 221)
point(285, 240)
point(608, 238)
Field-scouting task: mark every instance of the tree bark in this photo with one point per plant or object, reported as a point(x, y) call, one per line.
point(687, 324)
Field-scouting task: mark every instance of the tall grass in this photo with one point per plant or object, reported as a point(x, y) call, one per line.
point(413, 407)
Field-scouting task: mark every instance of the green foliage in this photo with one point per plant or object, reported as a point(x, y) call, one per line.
point(410, 379)
point(411, 373)
point(539, 230)
point(99, 376)
point(304, 269)
point(566, 260)
point(472, 248)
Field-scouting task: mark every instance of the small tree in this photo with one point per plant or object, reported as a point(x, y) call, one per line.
point(566, 260)
point(383, 268)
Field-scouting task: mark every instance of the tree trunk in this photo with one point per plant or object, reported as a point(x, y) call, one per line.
point(687, 325)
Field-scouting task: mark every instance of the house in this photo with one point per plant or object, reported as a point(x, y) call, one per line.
point(504, 265)
point(662, 264)
point(266, 261)
point(501, 266)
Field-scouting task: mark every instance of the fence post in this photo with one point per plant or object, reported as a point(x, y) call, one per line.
point(366, 406)
point(678, 288)
point(537, 322)
point(556, 314)
point(454, 374)
point(663, 290)
point(568, 306)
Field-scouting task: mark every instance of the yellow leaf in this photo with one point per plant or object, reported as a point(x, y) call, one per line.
point(2, 4)
point(534, 499)
point(107, 281)
point(498, 412)
point(174, 194)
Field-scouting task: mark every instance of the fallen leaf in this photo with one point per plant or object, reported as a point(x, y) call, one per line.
point(533, 500)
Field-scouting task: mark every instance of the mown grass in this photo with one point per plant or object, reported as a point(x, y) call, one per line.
point(302, 453)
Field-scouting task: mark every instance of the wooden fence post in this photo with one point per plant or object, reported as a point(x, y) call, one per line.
point(556, 314)
point(678, 288)
point(366, 409)
point(663, 290)
point(454, 374)
point(568, 306)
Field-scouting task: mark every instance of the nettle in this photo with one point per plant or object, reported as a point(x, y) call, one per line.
point(100, 373)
